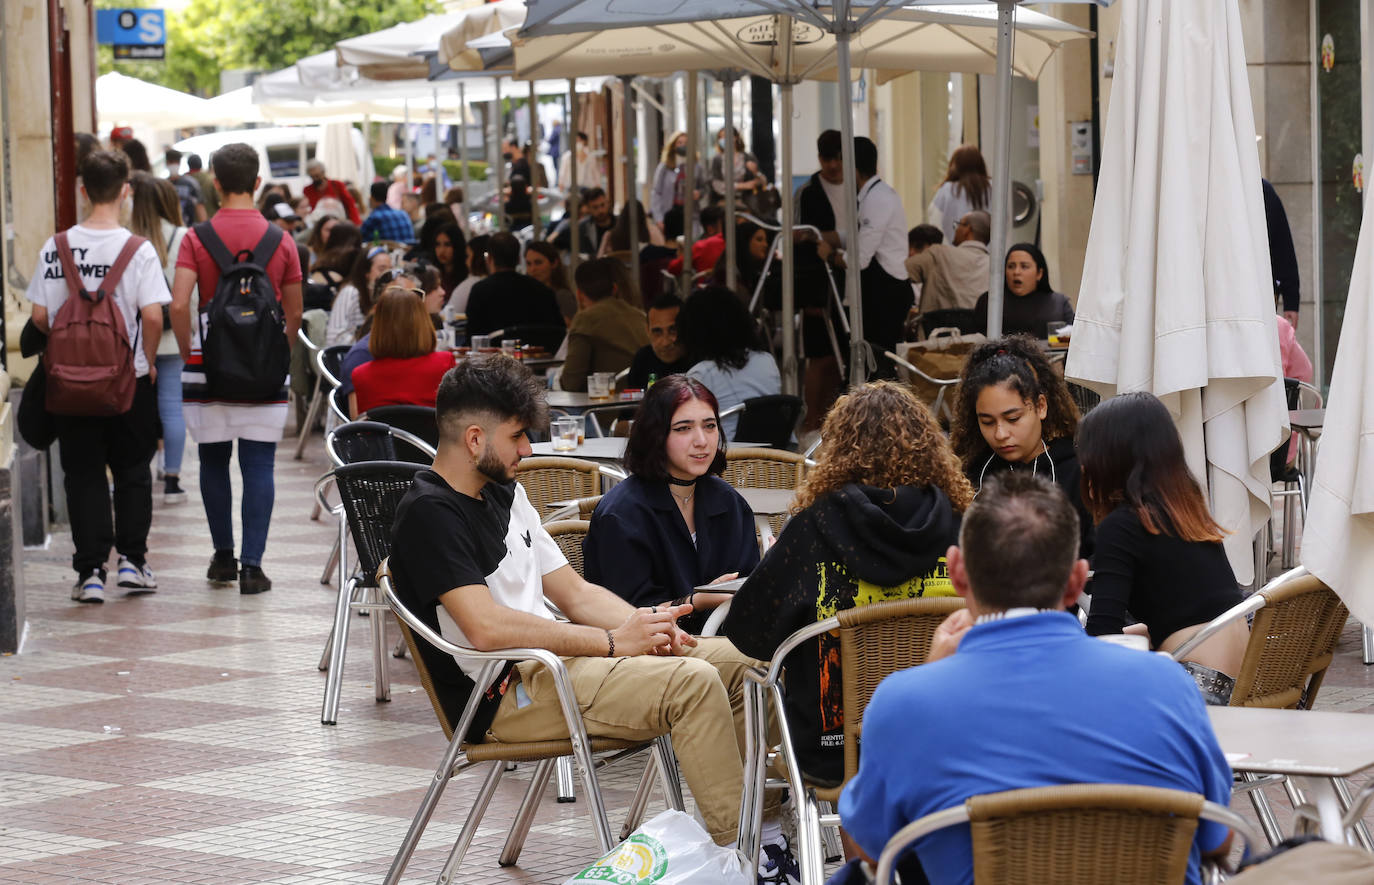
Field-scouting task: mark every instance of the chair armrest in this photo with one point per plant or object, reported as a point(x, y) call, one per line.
point(322, 493)
point(903, 838)
point(318, 358)
point(305, 339)
point(774, 672)
point(612, 472)
point(1249, 606)
point(944, 382)
point(406, 436)
point(733, 410)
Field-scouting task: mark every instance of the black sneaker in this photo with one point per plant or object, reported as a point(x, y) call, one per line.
point(172, 492)
point(224, 568)
point(252, 580)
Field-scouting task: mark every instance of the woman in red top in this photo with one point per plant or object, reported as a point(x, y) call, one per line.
point(405, 368)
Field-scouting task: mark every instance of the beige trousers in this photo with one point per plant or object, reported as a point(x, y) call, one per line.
point(698, 698)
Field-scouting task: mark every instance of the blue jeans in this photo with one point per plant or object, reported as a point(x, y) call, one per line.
point(169, 410)
point(256, 461)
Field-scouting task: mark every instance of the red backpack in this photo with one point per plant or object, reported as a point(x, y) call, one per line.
point(89, 359)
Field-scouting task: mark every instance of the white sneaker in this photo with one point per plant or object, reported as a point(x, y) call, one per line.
point(136, 580)
point(90, 588)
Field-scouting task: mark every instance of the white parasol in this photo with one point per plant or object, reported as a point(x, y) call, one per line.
point(1338, 536)
point(1177, 297)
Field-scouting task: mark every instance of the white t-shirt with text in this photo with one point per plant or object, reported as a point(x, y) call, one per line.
point(94, 251)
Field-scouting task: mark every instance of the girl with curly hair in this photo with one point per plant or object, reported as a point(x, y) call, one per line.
point(873, 521)
point(1012, 411)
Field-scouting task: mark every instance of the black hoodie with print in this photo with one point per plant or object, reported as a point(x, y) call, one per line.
point(852, 546)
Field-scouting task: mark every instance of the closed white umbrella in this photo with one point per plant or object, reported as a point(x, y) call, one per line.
point(122, 99)
point(1177, 297)
point(1338, 534)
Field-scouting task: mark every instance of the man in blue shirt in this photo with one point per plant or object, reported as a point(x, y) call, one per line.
point(384, 222)
point(1017, 695)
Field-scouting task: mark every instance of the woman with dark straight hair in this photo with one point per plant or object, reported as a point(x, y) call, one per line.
point(674, 524)
point(1159, 559)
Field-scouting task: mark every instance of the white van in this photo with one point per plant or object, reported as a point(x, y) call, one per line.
point(283, 152)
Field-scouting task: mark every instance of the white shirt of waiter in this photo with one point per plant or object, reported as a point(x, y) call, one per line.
point(882, 228)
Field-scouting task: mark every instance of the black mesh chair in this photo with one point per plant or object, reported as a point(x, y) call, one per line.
point(370, 492)
point(770, 420)
point(415, 420)
point(548, 337)
point(328, 362)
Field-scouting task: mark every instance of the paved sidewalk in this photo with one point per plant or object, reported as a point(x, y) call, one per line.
point(175, 738)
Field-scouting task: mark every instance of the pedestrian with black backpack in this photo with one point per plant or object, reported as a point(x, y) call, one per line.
point(97, 293)
point(237, 350)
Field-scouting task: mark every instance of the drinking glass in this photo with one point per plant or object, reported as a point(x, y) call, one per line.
point(565, 434)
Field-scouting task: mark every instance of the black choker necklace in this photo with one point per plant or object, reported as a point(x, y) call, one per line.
point(681, 482)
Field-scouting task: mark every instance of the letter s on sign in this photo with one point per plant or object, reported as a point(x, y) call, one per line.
point(150, 29)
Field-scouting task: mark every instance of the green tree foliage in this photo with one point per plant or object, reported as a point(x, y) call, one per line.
point(209, 36)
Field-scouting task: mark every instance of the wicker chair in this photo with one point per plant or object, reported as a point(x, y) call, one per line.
point(370, 493)
point(462, 754)
point(550, 481)
point(875, 641)
point(1075, 833)
point(568, 534)
point(765, 469)
point(1297, 621)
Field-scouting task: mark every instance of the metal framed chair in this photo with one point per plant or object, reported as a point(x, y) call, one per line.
point(1301, 395)
point(767, 419)
point(916, 379)
point(582, 509)
point(1295, 622)
point(549, 482)
point(462, 754)
point(749, 468)
point(327, 362)
point(370, 492)
point(416, 420)
point(875, 641)
point(1075, 834)
point(349, 444)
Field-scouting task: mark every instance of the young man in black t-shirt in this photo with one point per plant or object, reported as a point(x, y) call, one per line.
point(472, 560)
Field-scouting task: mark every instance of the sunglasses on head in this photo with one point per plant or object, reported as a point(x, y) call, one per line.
point(412, 290)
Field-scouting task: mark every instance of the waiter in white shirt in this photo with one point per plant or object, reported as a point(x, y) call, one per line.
point(881, 256)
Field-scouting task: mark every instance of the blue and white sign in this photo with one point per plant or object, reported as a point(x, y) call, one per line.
point(135, 34)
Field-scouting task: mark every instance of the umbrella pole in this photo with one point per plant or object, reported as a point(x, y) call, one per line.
point(437, 171)
point(537, 222)
point(1001, 168)
point(500, 209)
point(463, 152)
point(689, 202)
point(728, 173)
point(410, 148)
point(627, 157)
point(858, 364)
point(789, 297)
point(572, 207)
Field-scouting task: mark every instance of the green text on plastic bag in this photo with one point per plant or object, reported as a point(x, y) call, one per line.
point(639, 860)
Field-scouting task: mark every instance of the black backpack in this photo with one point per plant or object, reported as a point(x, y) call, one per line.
point(244, 348)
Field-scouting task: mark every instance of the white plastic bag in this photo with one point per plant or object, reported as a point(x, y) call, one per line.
point(671, 849)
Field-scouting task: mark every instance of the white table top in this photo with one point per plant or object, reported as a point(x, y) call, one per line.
point(607, 448)
point(1295, 742)
point(567, 399)
point(768, 502)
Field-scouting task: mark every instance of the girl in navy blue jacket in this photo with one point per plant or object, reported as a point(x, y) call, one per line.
point(674, 524)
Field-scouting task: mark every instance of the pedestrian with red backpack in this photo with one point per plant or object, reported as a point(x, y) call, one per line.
point(236, 348)
point(97, 293)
